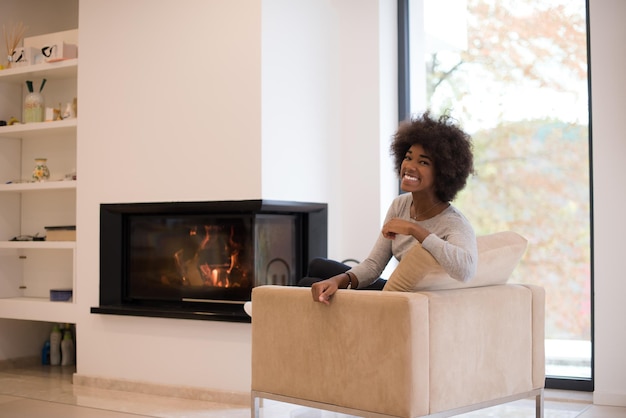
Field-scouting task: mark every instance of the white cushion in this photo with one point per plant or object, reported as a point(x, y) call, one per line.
point(498, 255)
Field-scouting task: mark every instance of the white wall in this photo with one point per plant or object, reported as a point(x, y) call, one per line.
point(608, 83)
point(212, 100)
point(300, 103)
point(327, 115)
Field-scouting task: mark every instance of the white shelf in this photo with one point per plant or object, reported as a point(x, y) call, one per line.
point(38, 309)
point(38, 245)
point(44, 185)
point(51, 71)
point(41, 264)
point(39, 129)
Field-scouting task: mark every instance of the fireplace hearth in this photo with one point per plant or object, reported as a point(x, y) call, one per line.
point(201, 260)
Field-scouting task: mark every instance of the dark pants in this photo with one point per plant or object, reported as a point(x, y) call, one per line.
point(323, 268)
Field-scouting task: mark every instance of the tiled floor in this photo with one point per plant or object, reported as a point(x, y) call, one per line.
point(48, 392)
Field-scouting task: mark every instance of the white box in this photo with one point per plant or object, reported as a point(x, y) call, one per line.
point(24, 56)
point(57, 46)
point(60, 233)
point(57, 52)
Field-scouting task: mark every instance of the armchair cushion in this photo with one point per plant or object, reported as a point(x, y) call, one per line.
point(498, 255)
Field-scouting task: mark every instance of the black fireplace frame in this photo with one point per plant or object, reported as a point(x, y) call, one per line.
point(312, 231)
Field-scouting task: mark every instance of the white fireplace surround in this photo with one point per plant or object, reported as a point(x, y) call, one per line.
point(219, 100)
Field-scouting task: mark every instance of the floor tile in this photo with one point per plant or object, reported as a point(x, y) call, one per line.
point(30, 408)
point(599, 411)
point(48, 392)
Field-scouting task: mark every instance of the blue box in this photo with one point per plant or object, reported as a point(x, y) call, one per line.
point(61, 295)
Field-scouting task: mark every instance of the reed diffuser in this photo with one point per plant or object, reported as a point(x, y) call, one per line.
point(34, 103)
point(13, 39)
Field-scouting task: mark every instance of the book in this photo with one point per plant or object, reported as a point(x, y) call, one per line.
point(61, 233)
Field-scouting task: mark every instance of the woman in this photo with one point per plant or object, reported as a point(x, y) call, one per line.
point(433, 158)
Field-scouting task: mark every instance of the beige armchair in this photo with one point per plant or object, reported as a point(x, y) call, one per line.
point(399, 354)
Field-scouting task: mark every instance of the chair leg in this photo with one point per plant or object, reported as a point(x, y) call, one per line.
point(539, 405)
point(256, 403)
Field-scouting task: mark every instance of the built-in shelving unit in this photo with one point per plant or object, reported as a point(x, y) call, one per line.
point(30, 269)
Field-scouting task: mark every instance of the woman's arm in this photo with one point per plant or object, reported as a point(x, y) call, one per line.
point(323, 290)
point(454, 247)
point(449, 238)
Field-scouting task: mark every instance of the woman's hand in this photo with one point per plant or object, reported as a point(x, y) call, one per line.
point(323, 290)
point(403, 227)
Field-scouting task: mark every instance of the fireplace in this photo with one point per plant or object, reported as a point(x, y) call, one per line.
point(201, 260)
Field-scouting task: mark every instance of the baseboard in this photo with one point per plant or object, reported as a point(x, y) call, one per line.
point(173, 391)
point(21, 362)
point(609, 399)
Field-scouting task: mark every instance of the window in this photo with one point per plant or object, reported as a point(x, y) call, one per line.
point(514, 74)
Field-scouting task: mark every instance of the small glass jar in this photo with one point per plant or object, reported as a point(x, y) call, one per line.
point(33, 108)
point(41, 171)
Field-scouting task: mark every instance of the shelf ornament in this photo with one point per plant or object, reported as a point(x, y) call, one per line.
point(12, 38)
point(41, 171)
point(34, 103)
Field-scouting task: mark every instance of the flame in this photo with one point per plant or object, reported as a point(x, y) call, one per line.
point(214, 262)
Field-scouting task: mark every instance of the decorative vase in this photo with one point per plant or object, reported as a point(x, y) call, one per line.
point(33, 107)
point(41, 171)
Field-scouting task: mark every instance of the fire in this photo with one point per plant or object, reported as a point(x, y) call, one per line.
point(212, 258)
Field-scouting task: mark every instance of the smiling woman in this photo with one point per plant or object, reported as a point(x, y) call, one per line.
point(433, 157)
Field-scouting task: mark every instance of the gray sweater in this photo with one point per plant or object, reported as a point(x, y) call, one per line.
point(452, 242)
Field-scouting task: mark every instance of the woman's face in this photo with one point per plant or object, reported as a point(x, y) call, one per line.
point(417, 172)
